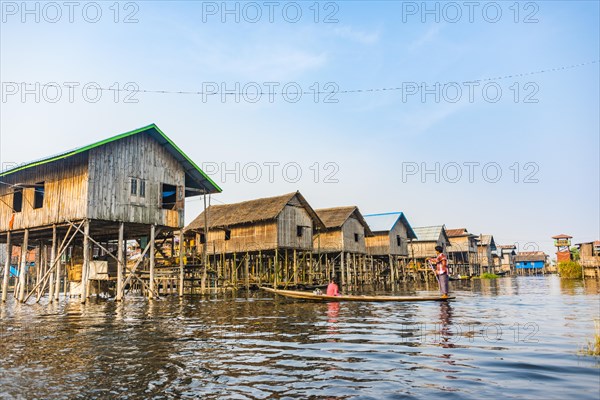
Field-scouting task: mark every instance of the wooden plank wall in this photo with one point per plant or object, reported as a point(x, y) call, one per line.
point(350, 227)
point(379, 245)
point(251, 237)
point(288, 220)
point(112, 166)
point(65, 194)
point(331, 240)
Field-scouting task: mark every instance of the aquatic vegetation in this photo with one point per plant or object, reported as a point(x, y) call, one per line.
point(488, 275)
point(570, 270)
point(593, 346)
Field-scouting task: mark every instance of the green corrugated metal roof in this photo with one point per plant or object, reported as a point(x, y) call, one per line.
point(195, 177)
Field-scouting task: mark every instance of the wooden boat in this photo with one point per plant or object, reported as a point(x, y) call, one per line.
point(460, 278)
point(323, 297)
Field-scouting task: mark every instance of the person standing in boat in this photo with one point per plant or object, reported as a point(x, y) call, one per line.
point(441, 270)
point(332, 288)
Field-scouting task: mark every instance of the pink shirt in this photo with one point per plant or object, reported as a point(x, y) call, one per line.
point(332, 290)
point(442, 264)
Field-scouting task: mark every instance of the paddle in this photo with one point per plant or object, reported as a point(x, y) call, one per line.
point(434, 273)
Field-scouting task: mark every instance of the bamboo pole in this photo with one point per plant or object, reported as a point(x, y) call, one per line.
point(6, 267)
point(120, 261)
point(23, 266)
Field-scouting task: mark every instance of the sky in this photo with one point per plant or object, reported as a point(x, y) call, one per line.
point(481, 115)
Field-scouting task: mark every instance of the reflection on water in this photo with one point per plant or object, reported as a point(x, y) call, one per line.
point(511, 337)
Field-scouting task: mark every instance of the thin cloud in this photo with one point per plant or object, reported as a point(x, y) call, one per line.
point(363, 37)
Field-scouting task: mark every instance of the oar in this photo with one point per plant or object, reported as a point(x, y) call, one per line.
point(434, 273)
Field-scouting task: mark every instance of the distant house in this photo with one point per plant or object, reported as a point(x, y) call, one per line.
point(428, 237)
point(528, 262)
point(507, 257)
point(589, 257)
point(462, 252)
point(342, 243)
point(486, 249)
point(270, 239)
point(562, 243)
point(388, 247)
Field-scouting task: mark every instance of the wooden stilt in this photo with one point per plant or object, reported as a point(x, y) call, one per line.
point(152, 250)
point(295, 268)
point(23, 266)
point(85, 269)
point(181, 272)
point(38, 268)
point(247, 271)
point(6, 274)
point(120, 261)
point(53, 287)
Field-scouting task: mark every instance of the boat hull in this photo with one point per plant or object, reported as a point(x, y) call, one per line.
point(293, 294)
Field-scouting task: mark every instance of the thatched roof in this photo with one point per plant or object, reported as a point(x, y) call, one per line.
point(251, 211)
point(335, 217)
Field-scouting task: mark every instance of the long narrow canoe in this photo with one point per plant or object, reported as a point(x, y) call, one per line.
point(294, 294)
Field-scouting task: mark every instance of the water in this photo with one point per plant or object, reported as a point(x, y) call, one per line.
point(511, 338)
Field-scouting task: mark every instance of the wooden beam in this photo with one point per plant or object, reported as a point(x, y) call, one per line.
point(62, 248)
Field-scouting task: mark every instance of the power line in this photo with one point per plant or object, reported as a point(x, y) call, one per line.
point(347, 91)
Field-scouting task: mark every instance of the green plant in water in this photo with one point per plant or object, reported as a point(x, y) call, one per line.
point(488, 275)
point(593, 346)
point(570, 270)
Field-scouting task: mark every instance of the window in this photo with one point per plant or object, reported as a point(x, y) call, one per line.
point(299, 230)
point(134, 186)
point(227, 234)
point(38, 195)
point(18, 200)
point(142, 188)
point(398, 240)
point(356, 237)
point(202, 238)
point(169, 196)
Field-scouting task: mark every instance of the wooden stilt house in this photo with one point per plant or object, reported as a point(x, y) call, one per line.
point(463, 258)
point(486, 250)
point(507, 257)
point(388, 247)
point(83, 205)
point(428, 237)
point(341, 246)
point(261, 241)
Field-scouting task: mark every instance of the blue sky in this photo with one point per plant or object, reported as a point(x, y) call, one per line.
point(366, 139)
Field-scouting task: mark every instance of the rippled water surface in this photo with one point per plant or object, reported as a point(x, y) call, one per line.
point(506, 338)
